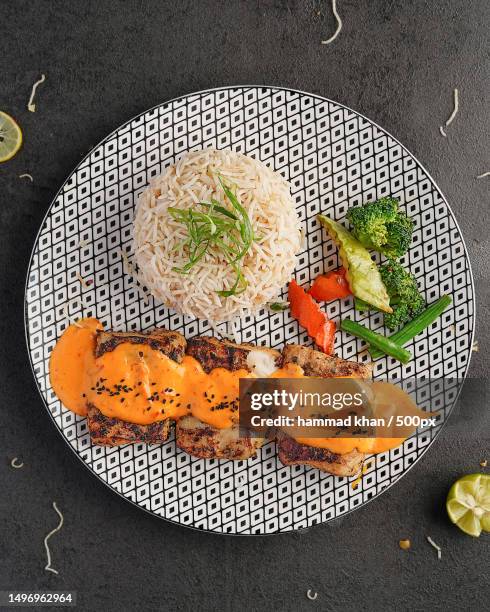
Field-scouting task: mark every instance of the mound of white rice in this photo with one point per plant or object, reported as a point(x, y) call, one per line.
point(158, 238)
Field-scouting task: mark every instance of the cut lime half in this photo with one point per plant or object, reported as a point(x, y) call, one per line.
point(10, 137)
point(468, 504)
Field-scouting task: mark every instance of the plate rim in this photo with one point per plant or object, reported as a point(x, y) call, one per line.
point(176, 99)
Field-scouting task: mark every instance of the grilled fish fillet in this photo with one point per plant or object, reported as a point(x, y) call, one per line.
point(112, 431)
point(291, 452)
point(202, 440)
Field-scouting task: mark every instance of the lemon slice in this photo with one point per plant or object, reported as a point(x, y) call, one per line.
point(468, 504)
point(10, 137)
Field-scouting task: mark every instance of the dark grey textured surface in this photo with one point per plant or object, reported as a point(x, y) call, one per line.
point(396, 62)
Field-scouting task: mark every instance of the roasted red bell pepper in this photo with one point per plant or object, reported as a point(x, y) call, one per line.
point(307, 312)
point(330, 286)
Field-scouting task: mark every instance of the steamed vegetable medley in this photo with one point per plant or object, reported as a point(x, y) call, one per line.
point(390, 288)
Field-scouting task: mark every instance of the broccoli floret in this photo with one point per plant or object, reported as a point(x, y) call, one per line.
point(405, 298)
point(380, 226)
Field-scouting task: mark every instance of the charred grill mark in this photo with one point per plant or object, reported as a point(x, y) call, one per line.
point(111, 431)
point(300, 452)
point(213, 353)
point(171, 344)
point(201, 432)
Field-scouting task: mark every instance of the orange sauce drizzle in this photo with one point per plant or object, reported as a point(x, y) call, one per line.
point(72, 356)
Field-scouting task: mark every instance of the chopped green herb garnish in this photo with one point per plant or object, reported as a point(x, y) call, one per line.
point(227, 230)
point(278, 306)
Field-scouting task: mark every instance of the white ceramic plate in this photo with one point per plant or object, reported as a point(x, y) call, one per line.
point(334, 158)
